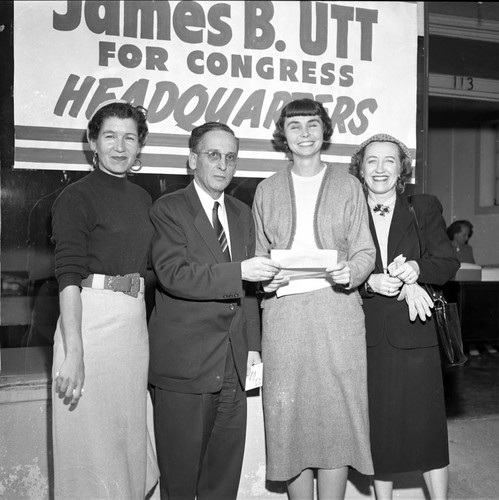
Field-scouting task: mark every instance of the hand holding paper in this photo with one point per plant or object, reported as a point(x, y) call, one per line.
point(408, 272)
point(397, 262)
point(305, 264)
point(340, 273)
point(259, 269)
point(276, 282)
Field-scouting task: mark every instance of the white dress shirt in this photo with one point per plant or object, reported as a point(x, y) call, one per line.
point(382, 224)
point(207, 202)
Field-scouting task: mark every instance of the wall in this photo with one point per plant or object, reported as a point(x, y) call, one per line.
point(25, 428)
point(452, 176)
point(463, 46)
point(23, 445)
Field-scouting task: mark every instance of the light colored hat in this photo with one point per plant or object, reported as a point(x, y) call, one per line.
point(106, 103)
point(384, 138)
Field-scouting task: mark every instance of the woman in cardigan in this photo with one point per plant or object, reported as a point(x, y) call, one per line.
point(406, 399)
point(313, 345)
point(102, 233)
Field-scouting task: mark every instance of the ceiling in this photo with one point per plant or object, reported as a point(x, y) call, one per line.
point(488, 11)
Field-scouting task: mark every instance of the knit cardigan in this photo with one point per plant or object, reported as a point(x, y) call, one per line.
point(340, 219)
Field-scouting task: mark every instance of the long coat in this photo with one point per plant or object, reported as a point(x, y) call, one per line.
point(406, 400)
point(201, 302)
point(437, 263)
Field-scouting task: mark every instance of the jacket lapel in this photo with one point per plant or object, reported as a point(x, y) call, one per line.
point(402, 219)
point(378, 267)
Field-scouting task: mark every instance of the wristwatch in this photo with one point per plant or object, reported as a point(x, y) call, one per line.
point(368, 289)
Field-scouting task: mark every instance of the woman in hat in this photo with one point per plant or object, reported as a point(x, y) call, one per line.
point(102, 232)
point(406, 400)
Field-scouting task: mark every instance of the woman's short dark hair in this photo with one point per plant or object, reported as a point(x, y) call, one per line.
point(404, 157)
point(457, 226)
point(302, 107)
point(119, 109)
point(198, 133)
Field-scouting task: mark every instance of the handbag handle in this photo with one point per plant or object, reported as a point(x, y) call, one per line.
point(448, 327)
point(411, 208)
point(436, 295)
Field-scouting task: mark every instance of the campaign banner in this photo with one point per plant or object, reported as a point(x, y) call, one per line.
point(188, 62)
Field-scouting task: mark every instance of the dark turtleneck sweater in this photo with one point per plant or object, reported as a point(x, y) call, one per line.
point(100, 224)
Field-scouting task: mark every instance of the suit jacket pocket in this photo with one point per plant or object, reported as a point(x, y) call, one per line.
point(405, 334)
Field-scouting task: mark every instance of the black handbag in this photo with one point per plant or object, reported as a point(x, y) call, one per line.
point(448, 328)
point(446, 317)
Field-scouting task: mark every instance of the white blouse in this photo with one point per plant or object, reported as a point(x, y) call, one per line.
point(306, 192)
point(382, 224)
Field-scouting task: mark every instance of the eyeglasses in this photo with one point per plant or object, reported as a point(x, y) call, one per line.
point(216, 157)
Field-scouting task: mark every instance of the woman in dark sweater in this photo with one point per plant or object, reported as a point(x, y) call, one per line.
point(102, 233)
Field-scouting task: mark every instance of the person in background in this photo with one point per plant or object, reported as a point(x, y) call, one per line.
point(459, 232)
point(313, 345)
point(102, 235)
point(205, 327)
point(406, 400)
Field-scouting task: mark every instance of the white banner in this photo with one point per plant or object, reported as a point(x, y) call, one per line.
point(189, 62)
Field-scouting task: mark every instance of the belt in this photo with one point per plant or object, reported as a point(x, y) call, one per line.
point(129, 284)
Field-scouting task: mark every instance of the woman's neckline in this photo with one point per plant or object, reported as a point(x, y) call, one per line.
point(304, 171)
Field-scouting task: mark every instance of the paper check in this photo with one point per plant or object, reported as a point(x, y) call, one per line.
point(305, 264)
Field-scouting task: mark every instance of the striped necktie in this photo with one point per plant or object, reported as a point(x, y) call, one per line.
point(219, 230)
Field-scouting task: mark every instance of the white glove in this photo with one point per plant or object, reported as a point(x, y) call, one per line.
point(418, 300)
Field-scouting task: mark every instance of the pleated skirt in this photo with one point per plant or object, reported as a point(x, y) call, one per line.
point(406, 409)
point(102, 449)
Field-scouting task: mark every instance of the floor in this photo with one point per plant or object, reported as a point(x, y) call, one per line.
point(472, 400)
point(472, 390)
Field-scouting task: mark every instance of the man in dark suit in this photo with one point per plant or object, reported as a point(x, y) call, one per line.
point(204, 329)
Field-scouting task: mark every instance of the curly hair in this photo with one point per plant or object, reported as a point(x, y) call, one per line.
point(302, 107)
point(404, 157)
point(119, 109)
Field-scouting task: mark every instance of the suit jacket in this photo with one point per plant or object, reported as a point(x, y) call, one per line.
point(438, 263)
point(201, 301)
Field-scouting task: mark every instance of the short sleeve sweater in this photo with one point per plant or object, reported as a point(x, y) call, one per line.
point(100, 224)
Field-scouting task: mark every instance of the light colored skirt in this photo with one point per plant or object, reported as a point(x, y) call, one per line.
point(315, 383)
point(102, 449)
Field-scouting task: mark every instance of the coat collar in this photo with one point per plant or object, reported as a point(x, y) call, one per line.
point(402, 219)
